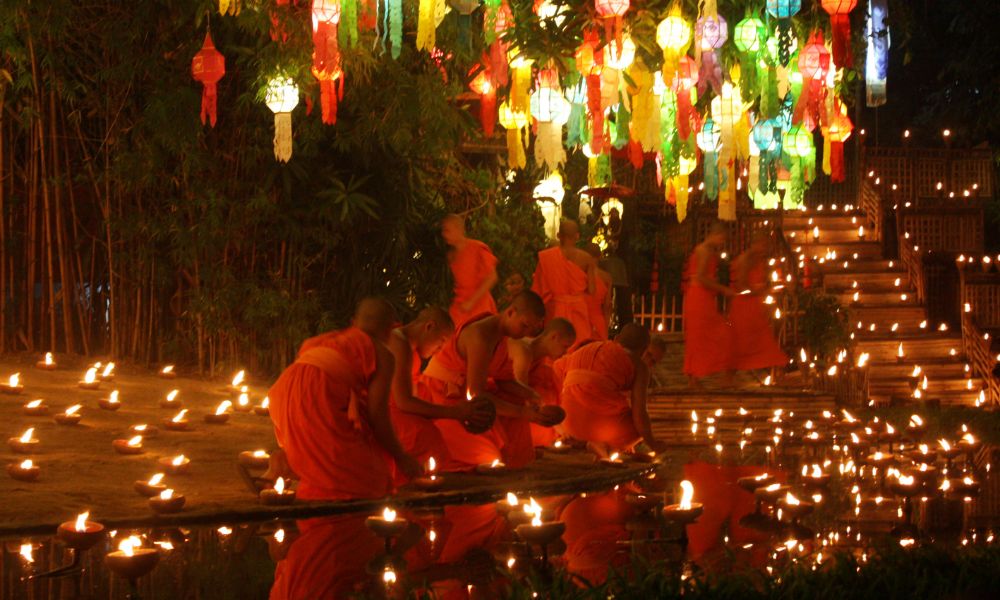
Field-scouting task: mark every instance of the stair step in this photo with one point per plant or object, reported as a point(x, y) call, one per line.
point(935, 369)
point(866, 296)
point(900, 386)
point(903, 332)
point(844, 279)
point(862, 265)
point(824, 220)
point(956, 398)
point(887, 313)
point(827, 235)
point(914, 350)
point(844, 250)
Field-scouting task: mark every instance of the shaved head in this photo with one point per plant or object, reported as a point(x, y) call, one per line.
point(453, 219)
point(634, 337)
point(453, 229)
point(560, 327)
point(376, 317)
point(569, 232)
point(438, 316)
point(529, 303)
point(654, 353)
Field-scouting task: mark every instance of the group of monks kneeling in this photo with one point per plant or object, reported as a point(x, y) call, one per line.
point(355, 416)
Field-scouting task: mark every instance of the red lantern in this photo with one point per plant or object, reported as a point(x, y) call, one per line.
point(814, 64)
point(482, 84)
point(685, 78)
point(612, 12)
point(840, 22)
point(208, 67)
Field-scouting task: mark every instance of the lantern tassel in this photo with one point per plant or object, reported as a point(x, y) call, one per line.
point(842, 55)
point(711, 175)
point(209, 100)
point(488, 112)
point(426, 24)
point(836, 152)
point(283, 136)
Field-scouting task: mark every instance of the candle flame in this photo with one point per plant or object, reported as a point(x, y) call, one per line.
point(266, 402)
point(81, 521)
point(945, 486)
point(48, 358)
point(135, 442)
point(388, 514)
point(238, 378)
point(180, 416)
point(533, 508)
point(496, 463)
point(687, 494)
point(431, 465)
point(969, 439)
point(90, 376)
point(156, 479)
point(113, 398)
point(224, 531)
point(906, 479)
point(26, 436)
point(916, 421)
point(259, 453)
point(889, 429)
point(223, 407)
point(512, 499)
point(536, 521)
point(967, 480)
point(167, 494)
point(388, 576)
point(863, 359)
point(243, 399)
point(279, 536)
point(791, 500)
point(140, 428)
point(468, 395)
point(613, 457)
point(72, 410)
point(279, 485)
point(129, 545)
point(26, 553)
point(27, 464)
point(899, 350)
point(944, 445)
point(34, 403)
point(172, 395)
point(167, 369)
point(108, 370)
point(178, 460)
point(816, 471)
point(14, 380)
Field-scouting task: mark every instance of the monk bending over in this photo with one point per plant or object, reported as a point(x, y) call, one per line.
point(412, 417)
point(604, 393)
point(564, 277)
point(474, 269)
point(462, 369)
point(531, 364)
point(330, 410)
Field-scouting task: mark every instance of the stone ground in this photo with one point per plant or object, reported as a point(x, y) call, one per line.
point(80, 470)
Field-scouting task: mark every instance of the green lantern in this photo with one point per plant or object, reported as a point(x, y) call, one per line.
point(750, 35)
point(798, 142)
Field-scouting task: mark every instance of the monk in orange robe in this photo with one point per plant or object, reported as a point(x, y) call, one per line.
point(474, 269)
point(462, 369)
point(754, 346)
point(604, 394)
point(412, 417)
point(599, 303)
point(531, 365)
point(330, 410)
point(707, 333)
point(563, 278)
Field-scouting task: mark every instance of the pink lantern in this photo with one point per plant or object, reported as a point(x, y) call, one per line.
point(208, 67)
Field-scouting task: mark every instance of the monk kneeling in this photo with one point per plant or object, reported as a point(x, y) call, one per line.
point(412, 417)
point(604, 393)
point(330, 410)
point(462, 370)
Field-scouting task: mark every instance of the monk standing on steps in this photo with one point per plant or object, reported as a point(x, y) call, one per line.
point(707, 334)
point(330, 410)
point(604, 393)
point(564, 277)
point(473, 267)
point(462, 370)
point(754, 346)
point(412, 418)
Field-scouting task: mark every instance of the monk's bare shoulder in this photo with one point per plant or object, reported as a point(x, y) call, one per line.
point(580, 258)
point(399, 346)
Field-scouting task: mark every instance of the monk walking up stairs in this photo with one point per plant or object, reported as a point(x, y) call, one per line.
point(604, 393)
point(564, 277)
point(462, 370)
point(330, 410)
point(474, 269)
point(754, 345)
point(707, 334)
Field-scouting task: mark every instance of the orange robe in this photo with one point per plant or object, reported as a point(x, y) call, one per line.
point(542, 379)
point(470, 265)
point(444, 383)
point(754, 346)
point(518, 451)
point(595, 395)
point(562, 284)
point(595, 526)
point(595, 306)
point(318, 407)
point(418, 435)
point(707, 334)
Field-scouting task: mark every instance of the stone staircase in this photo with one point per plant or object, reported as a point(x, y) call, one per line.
point(886, 314)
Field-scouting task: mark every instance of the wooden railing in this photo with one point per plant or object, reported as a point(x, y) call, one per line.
point(980, 317)
point(926, 173)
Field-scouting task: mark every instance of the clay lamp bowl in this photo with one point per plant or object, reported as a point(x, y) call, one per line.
point(494, 468)
point(25, 470)
point(925, 475)
point(508, 505)
point(794, 508)
point(907, 488)
point(132, 445)
point(278, 495)
point(255, 459)
point(816, 482)
point(46, 364)
point(644, 502)
point(13, 387)
point(969, 444)
point(962, 488)
point(880, 460)
point(814, 439)
point(167, 372)
point(540, 534)
point(770, 493)
point(559, 447)
point(26, 444)
point(108, 374)
point(90, 380)
point(80, 534)
point(175, 465)
point(264, 408)
point(386, 525)
point(221, 414)
point(171, 401)
point(751, 484)
point(243, 403)
point(146, 431)
point(614, 460)
point(178, 422)
point(130, 562)
point(72, 416)
point(682, 514)
point(429, 483)
point(167, 502)
point(927, 458)
point(36, 408)
point(150, 488)
point(950, 452)
point(111, 403)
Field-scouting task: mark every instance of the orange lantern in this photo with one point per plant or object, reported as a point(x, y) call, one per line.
point(208, 67)
point(612, 11)
point(834, 136)
point(326, 56)
point(840, 24)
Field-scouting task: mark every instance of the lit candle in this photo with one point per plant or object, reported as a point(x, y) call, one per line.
point(25, 444)
point(90, 380)
point(111, 402)
point(221, 414)
point(25, 470)
point(167, 502)
point(255, 459)
point(278, 495)
point(167, 372)
point(36, 408)
point(153, 487)
point(144, 430)
point(170, 400)
point(132, 445)
point(70, 417)
point(497, 466)
point(175, 465)
point(264, 408)
point(47, 363)
point(178, 422)
point(80, 534)
point(243, 401)
point(13, 385)
point(130, 561)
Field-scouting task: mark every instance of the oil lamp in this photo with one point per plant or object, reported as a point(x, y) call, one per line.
point(13, 385)
point(386, 526)
point(170, 400)
point(539, 533)
point(255, 459)
point(175, 465)
point(47, 363)
point(111, 402)
point(80, 534)
point(25, 470)
point(278, 495)
point(71, 416)
point(25, 444)
point(236, 384)
point(430, 481)
point(167, 502)
point(221, 414)
point(108, 372)
point(152, 487)
point(793, 507)
point(130, 561)
point(36, 408)
point(146, 431)
point(168, 372)
point(685, 512)
point(243, 401)
point(90, 380)
point(613, 461)
point(264, 408)
point(496, 467)
point(178, 422)
point(132, 445)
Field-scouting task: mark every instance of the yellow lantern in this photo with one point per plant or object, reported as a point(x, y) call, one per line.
point(673, 35)
point(514, 122)
point(282, 97)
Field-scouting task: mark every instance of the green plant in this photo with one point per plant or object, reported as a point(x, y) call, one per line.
point(823, 323)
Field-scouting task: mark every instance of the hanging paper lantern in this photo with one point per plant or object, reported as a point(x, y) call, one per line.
point(709, 139)
point(551, 109)
point(208, 66)
point(840, 24)
point(800, 159)
point(814, 63)
point(749, 35)
point(482, 85)
point(877, 59)
point(231, 7)
point(548, 195)
point(710, 33)
point(426, 24)
point(612, 11)
point(619, 58)
point(326, 56)
point(673, 35)
point(514, 122)
point(680, 185)
point(798, 142)
point(282, 97)
point(325, 12)
point(784, 10)
point(834, 136)
point(684, 84)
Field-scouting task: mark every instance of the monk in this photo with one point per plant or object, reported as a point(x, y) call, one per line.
point(473, 267)
point(531, 365)
point(462, 370)
point(330, 410)
point(754, 346)
point(599, 302)
point(513, 285)
point(604, 394)
point(707, 334)
point(563, 278)
point(412, 417)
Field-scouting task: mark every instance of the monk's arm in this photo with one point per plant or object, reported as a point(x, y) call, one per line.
point(520, 357)
point(402, 387)
point(640, 415)
point(484, 288)
point(477, 359)
point(516, 388)
point(378, 406)
point(702, 277)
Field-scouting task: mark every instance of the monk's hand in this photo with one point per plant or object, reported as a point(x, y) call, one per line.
point(547, 416)
point(477, 415)
point(410, 466)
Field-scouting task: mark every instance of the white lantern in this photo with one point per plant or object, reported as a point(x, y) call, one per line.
point(548, 195)
point(282, 97)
